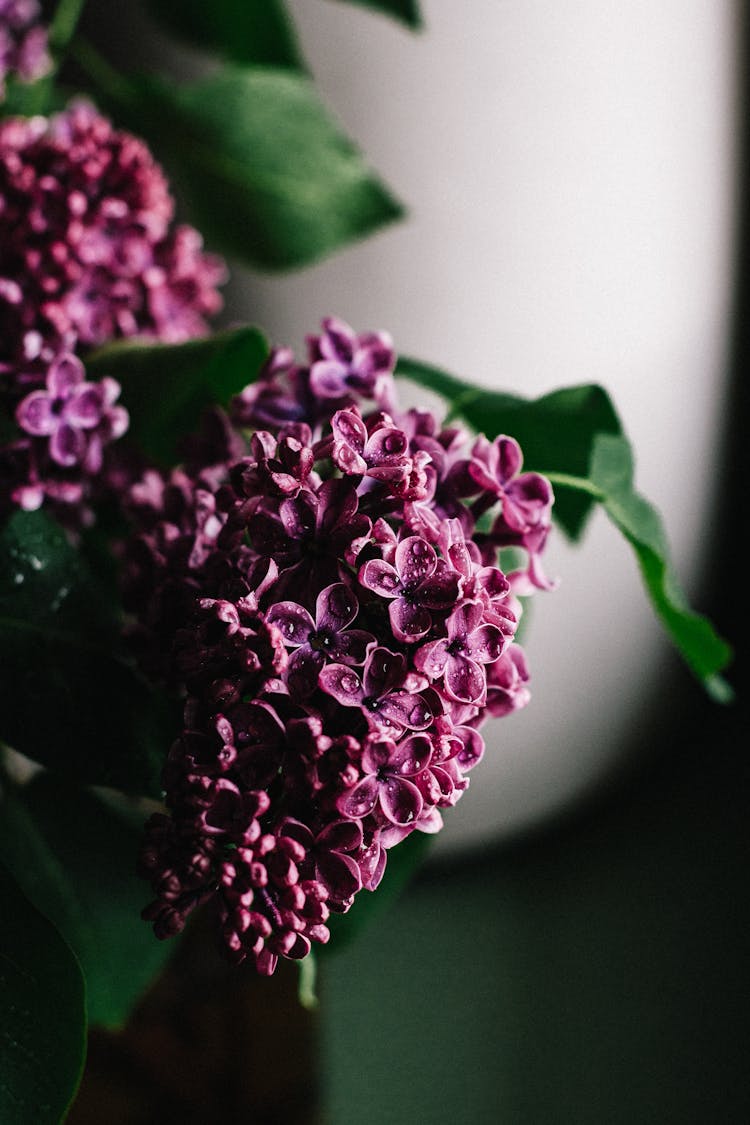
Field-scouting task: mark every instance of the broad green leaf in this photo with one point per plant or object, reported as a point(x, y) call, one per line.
point(243, 31)
point(69, 698)
point(612, 473)
point(405, 10)
point(403, 863)
point(575, 437)
point(165, 387)
point(42, 1014)
point(558, 429)
point(268, 175)
point(75, 857)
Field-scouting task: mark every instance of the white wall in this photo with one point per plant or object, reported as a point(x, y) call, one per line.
point(569, 172)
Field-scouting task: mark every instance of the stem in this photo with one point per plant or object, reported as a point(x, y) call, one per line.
point(64, 23)
point(580, 484)
point(104, 76)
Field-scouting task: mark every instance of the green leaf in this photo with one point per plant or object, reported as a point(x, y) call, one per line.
point(258, 32)
point(165, 387)
point(42, 1014)
point(612, 473)
point(405, 10)
point(574, 437)
point(403, 863)
point(556, 431)
point(75, 857)
point(268, 176)
point(69, 697)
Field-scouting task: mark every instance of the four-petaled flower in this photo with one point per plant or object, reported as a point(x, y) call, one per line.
point(341, 362)
point(377, 692)
point(417, 582)
point(458, 657)
point(326, 638)
point(389, 771)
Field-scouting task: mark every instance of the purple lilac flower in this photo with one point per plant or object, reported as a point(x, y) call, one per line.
point(88, 253)
point(24, 53)
point(339, 630)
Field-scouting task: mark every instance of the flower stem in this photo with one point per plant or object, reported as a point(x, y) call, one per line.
point(580, 484)
point(109, 81)
point(64, 23)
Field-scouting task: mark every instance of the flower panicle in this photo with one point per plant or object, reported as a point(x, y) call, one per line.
point(340, 629)
point(89, 253)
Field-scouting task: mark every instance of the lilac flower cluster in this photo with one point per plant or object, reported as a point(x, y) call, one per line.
point(88, 254)
point(340, 628)
point(23, 42)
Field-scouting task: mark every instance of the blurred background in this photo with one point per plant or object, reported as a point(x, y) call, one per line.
point(575, 950)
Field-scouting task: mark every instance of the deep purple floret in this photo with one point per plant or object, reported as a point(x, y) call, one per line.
point(24, 53)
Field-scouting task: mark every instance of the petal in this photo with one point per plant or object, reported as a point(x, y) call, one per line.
point(303, 670)
point(351, 647)
point(441, 589)
point(465, 680)
point(416, 560)
point(293, 621)
point(349, 428)
point(411, 755)
point(400, 800)
point(409, 622)
point(84, 408)
point(64, 375)
point(341, 836)
point(34, 414)
point(465, 619)
point(67, 446)
point(431, 658)
point(359, 802)
point(336, 607)
point(328, 378)
point(485, 644)
point(342, 683)
point(339, 874)
point(384, 671)
point(405, 710)
point(381, 578)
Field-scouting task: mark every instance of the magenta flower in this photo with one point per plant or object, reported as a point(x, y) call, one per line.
point(416, 583)
point(378, 692)
point(380, 451)
point(459, 657)
point(328, 637)
point(77, 417)
point(342, 362)
point(388, 770)
point(24, 53)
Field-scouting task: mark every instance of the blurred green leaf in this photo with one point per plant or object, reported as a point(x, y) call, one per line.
point(243, 31)
point(69, 697)
point(405, 10)
point(75, 856)
point(268, 175)
point(557, 430)
point(167, 386)
point(42, 1014)
point(575, 437)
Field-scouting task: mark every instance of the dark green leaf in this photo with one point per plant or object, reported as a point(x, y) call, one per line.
point(574, 436)
point(405, 10)
point(403, 863)
point(167, 386)
point(25, 99)
point(612, 472)
point(42, 1014)
point(75, 857)
point(68, 697)
point(556, 431)
point(243, 31)
point(268, 175)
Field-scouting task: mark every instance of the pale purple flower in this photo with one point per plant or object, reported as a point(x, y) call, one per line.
point(24, 53)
